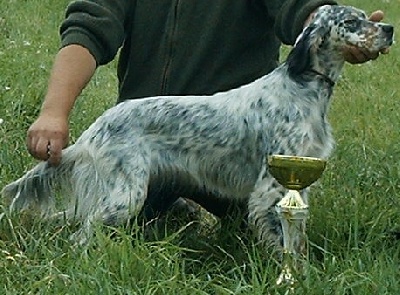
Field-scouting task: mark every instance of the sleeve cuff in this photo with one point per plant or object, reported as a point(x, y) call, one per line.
point(82, 39)
point(299, 19)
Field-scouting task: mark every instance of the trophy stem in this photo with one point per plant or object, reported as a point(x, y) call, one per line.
point(294, 173)
point(292, 212)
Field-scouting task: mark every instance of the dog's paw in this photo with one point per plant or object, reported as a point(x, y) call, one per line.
point(81, 237)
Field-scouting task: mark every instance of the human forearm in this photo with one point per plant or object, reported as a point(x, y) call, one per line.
point(73, 68)
point(48, 135)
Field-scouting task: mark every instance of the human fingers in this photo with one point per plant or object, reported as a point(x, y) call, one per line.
point(31, 142)
point(356, 55)
point(37, 143)
point(54, 150)
point(385, 50)
point(353, 55)
point(47, 149)
point(46, 137)
point(367, 55)
point(40, 151)
point(377, 16)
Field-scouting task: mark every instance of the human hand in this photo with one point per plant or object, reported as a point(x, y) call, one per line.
point(356, 55)
point(46, 138)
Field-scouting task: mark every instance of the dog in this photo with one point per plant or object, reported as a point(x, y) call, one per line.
point(205, 145)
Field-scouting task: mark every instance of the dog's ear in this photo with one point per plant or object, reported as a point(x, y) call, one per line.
point(299, 59)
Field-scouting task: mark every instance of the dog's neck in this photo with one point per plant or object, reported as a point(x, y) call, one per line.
point(311, 60)
point(327, 64)
point(324, 77)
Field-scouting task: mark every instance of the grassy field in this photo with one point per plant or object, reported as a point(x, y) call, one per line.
point(355, 209)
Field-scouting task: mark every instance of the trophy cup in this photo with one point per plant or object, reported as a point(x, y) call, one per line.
point(294, 173)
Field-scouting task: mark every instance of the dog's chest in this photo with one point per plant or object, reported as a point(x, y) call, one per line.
point(300, 129)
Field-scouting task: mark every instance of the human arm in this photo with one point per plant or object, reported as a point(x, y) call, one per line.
point(91, 34)
point(48, 135)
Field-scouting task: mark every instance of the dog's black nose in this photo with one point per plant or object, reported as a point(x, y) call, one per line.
point(388, 29)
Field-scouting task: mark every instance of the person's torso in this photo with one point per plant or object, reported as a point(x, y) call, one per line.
point(180, 47)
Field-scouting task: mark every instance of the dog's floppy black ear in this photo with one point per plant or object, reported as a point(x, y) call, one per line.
point(299, 59)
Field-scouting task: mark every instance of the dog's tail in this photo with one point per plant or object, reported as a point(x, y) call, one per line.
point(38, 186)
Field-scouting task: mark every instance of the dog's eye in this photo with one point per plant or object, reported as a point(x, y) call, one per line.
point(350, 23)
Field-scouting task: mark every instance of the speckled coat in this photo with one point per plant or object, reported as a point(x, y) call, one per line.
point(196, 145)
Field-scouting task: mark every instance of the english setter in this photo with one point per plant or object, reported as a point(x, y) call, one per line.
point(206, 145)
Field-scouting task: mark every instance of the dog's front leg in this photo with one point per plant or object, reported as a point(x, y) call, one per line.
point(262, 215)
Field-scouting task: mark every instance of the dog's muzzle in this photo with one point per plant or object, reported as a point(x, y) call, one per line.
point(388, 30)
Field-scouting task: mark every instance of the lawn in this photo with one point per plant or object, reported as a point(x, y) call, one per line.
point(354, 226)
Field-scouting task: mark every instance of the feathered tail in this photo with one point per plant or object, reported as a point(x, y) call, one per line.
point(38, 186)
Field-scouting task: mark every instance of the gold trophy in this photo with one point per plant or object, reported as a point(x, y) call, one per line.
point(294, 173)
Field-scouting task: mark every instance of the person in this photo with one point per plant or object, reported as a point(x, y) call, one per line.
point(171, 47)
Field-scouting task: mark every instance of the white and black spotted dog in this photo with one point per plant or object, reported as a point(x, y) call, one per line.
point(212, 146)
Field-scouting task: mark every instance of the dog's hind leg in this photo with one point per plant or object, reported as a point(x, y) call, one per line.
point(111, 190)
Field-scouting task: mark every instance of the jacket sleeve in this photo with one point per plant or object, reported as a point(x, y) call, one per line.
point(97, 25)
point(290, 16)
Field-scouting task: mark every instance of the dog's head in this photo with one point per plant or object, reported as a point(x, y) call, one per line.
point(332, 28)
point(345, 25)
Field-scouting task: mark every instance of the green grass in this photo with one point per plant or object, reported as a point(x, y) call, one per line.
point(354, 208)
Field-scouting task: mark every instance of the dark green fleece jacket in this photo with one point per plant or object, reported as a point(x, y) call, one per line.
point(185, 46)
